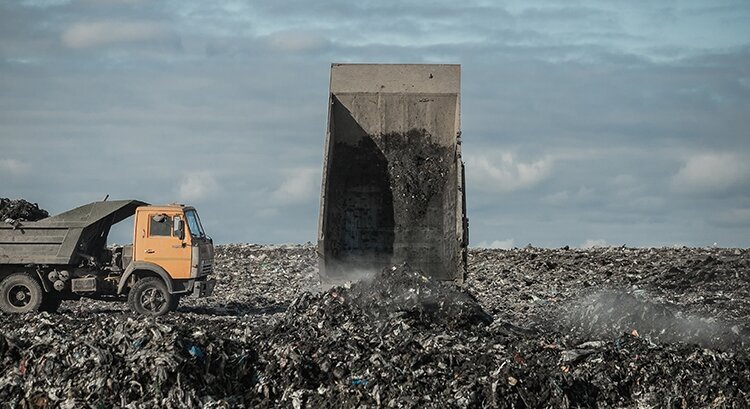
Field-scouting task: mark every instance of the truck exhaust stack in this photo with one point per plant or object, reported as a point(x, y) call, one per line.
point(393, 178)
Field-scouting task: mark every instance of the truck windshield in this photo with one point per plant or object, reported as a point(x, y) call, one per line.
point(194, 224)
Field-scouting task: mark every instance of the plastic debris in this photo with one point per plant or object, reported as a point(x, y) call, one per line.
point(528, 329)
point(13, 211)
point(195, 351)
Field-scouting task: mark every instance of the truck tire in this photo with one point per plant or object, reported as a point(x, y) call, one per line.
point(50, 303)
point(149, 296)
point(20, 293)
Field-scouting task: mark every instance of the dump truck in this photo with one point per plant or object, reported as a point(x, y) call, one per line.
point(66, 257)
point(393, 178)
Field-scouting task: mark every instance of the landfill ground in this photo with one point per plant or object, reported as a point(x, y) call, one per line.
point(531, 328)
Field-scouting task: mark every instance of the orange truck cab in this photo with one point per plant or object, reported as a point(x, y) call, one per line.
point(169, 242)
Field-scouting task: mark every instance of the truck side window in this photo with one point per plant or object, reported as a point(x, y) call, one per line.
point(161, 225)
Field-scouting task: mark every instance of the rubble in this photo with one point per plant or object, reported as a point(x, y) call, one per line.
point(521, 333)
point(20, 210)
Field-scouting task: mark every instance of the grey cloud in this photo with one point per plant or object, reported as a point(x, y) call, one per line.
point(505, 173)
point(107, 32)
point(709, 173)
point(734, 218)
point(297, 40)
point(44, 3)
point(566, 13)
point(300, 185)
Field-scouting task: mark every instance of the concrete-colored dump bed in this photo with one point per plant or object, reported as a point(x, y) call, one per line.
point(393, 180)
point(65, 238)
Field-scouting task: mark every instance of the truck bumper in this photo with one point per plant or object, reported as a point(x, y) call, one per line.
point(204, 288)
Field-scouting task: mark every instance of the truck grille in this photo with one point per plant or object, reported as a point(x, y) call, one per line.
point(207, 268)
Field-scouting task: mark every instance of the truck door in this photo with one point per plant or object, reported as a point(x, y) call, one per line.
point(158, 244)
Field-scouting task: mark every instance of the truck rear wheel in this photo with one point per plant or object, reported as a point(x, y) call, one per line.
point(20, 293)
point(150, 296)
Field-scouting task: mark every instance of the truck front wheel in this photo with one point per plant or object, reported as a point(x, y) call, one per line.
point(149, 296)
point(20, 293)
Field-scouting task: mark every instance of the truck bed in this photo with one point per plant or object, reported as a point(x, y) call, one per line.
point(393, 176)
point(65, 238)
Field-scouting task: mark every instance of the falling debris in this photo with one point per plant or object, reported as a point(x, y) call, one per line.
point(512, 337)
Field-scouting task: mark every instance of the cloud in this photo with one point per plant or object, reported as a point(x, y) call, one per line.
point(13, 166)
point(498, 244)
point(711, 173)
point(507, 174)
point(582, 195)
point(734, 218)
point(111, 2)
point(196, 186)
point(624, 181)
point(611, 118)
point(300, 185)
point(591, 243)
point(99, 33)
point(297, 40)
point(44, 3)
point(268, 213)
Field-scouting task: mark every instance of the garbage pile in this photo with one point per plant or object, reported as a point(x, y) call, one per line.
point(510, 338)
point(605, 314)
point(104, 360)
point(20, 210)
point(540, 286)
point(410, 293)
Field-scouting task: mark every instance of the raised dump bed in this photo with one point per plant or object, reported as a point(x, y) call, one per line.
point(393, 179)
point(63, 239)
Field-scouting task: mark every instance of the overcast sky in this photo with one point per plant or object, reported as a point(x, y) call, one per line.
point(582, 123)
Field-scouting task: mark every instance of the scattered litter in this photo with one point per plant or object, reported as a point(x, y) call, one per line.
point(269, 337)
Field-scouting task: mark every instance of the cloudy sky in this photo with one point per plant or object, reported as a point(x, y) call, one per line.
point(583, 123)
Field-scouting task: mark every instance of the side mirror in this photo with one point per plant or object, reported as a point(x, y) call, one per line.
point(179, 228)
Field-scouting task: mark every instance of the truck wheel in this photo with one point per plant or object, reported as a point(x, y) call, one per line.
point(20, 293)
point(50, 303)
point(149, 296)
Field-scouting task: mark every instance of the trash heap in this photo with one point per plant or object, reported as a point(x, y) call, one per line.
point(20, 210)
point(604, 314)
point(509, 339)
point(105, 360)
point(404, 291)
point(538, 286)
